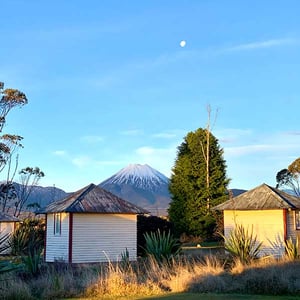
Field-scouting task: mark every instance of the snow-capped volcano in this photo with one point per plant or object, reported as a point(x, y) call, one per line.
point(141, 176)
point(141, 185)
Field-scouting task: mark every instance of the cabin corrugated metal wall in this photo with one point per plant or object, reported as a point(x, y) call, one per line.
point(103, 237)
point(6, 228)
point(268, 226)
point(57, 246)
point(292, 232)
point(291, 227)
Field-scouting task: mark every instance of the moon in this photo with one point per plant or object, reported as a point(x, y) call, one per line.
point(182, 43)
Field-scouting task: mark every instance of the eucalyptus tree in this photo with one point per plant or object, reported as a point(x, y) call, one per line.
point(290, 177)
point(29, 179)
point(9, 143)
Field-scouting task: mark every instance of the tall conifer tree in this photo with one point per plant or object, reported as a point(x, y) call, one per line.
point(189, 209)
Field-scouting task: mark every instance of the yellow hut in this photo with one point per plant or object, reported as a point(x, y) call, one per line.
point(273, 215)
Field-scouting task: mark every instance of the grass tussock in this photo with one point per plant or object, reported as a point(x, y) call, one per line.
point(117, 282)
point(147, 278)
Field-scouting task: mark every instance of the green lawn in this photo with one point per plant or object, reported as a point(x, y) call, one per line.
point(190, 296)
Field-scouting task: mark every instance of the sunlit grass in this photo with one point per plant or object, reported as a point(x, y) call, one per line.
point(184, 277)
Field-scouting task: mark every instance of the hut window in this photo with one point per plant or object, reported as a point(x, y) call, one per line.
point(57, 224)
point(297, 219)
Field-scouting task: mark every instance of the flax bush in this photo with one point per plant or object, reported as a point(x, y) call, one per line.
point(242, 244)
point(162, 246)
point(291, 249)
point(28, 238)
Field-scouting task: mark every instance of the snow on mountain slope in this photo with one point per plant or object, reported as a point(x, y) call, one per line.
point(140, 176)
point(141, 185)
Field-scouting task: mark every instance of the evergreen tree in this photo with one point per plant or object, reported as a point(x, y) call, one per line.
point(192, 195)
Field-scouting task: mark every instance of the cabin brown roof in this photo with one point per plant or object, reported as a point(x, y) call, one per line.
point(262, 197)
point(93, 199)
point(8, 218)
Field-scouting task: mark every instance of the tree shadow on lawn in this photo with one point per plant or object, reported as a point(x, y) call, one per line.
point(264, 281)
point(196, 296)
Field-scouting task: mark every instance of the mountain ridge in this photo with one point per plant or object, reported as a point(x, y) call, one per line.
point(139, 184)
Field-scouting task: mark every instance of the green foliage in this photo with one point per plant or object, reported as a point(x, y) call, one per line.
point(147, 224)
point(161, 246)
point(7, 266)
point(28, 238)
point(207, 226)
point(242, 244)
point(27, 241)
point(292, 249)
point(125, 261)
point(191, 197)
point(32, 262)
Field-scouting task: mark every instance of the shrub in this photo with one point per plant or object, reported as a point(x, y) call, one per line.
point(242, 244)
point(125, 260)
point(207, 227)
point(147, 224)
point(7, 266)
point(162, 246)
point(291, 249)
point(28, 238)
point(32, 262)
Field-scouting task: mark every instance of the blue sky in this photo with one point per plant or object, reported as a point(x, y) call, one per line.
point(108, 84)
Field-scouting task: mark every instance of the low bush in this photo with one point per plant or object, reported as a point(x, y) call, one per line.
point(242, 244)
point(162, 246)
point(148, 224)
point(292, 249)
point(28, 238)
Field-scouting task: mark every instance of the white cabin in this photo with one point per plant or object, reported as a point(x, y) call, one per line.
point(91, 225)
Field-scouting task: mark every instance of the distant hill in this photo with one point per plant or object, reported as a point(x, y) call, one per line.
point(236, 192)
point(141, 185)
point(44, 195)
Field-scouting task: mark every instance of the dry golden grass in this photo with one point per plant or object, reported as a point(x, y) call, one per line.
point(116, 283)
point(147, 278)
point(186, 272)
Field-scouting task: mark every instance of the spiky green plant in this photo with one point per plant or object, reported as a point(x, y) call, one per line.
point(28, 238)
point(125, 260)
point(7, 266)
point(32, 262)
point(243, 244)
point(291, 249)
point(161, 246)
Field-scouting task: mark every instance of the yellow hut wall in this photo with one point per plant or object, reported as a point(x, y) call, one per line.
point(267, 225)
